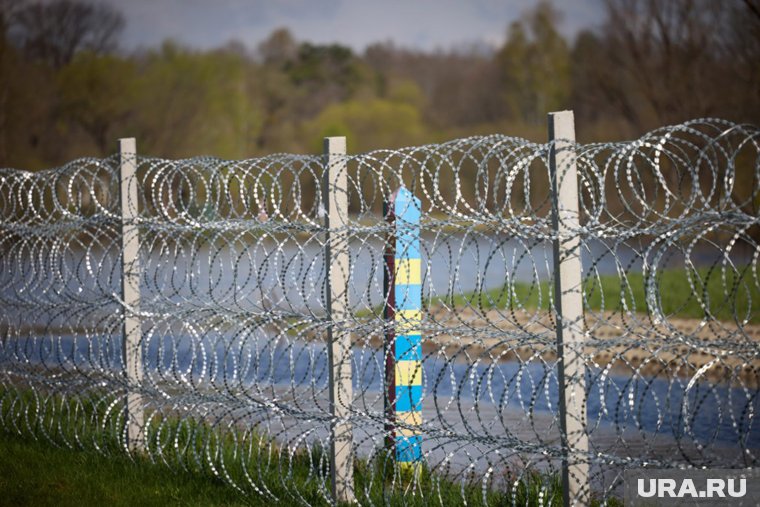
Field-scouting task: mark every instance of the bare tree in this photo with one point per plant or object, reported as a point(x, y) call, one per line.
point(754, 7)
point(279, 48)
point(672, 58)
point(8, 8)
point(55, 31)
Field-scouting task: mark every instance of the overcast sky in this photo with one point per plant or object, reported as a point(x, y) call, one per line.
point(420, 24)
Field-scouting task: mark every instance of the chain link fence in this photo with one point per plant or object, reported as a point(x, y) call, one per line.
point(237, 318)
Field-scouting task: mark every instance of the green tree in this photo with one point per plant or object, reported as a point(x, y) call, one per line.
point(29, 133)
point(97, 93)
point(535, 65)
point(369, 124)
point(193, 103)
point(325, 74)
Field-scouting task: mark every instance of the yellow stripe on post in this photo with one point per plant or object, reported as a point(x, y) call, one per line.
point(408, 322)
point(408, 272)
point(408, 373)
point(407, 422)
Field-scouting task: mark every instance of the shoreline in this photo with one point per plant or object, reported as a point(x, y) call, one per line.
point(628, 344)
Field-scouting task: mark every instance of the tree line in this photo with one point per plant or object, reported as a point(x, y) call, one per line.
point(67, 90)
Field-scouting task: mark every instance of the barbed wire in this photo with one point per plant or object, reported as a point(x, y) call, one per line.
point(234, 316)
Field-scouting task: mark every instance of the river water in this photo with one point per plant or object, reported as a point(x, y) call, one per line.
point(287, 276)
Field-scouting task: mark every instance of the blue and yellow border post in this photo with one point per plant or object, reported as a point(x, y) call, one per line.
point(403, 312)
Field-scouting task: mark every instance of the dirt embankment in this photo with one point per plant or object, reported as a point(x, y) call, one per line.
point(718, 351)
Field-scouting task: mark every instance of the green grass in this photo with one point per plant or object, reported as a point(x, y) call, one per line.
point(35, 474)
point(187, 445)
point(678, 293)
point(32, 473)
point(440, 491)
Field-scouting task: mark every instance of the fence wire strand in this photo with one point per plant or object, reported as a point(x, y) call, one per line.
point(234, 318)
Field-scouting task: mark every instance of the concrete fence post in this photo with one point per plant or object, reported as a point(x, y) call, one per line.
point(130, 293)
point(335, 199)
point(569, 309)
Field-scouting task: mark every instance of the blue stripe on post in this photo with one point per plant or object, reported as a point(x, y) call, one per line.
point(408, 398)
point(407, 211)
point(408, 448)
point(407, 207)
point(408, 297)
point(408, 348)
point(408, 245)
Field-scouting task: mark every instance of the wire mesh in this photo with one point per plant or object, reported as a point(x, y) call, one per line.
point(234, 316)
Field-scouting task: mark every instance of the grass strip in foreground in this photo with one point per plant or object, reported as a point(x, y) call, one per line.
point(33, 473)
point(36, 474)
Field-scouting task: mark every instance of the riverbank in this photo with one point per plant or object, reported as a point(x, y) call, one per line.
point(626, 343)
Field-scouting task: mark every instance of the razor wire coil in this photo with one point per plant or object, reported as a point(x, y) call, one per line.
point(234, 318)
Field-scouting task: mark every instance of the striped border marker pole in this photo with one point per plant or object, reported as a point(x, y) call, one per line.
point(403, 367)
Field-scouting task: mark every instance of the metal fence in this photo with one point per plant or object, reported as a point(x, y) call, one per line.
point(483, 321)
